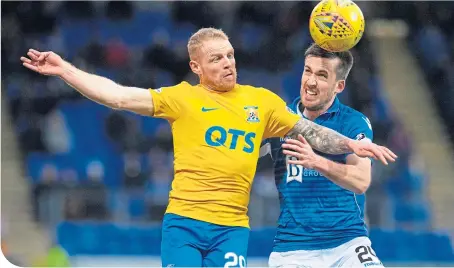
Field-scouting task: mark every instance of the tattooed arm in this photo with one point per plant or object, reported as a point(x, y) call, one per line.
point(331, 142)
point(321, 138)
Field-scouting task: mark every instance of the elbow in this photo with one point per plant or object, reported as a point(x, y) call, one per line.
point(360, 189)
point(118, 99)
point(119, 103)
point(362, 186)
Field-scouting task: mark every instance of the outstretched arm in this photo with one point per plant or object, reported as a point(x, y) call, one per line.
point(329, 141)
point(107, 92)
point(321, 138)
point(96, 88)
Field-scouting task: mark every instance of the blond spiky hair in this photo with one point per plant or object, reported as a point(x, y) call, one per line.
point(204, 34)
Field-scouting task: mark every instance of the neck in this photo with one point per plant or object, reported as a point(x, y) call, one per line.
point(212, 88)
point(312, 115)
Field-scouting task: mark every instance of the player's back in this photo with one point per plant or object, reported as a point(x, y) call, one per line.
point(217, 138)
point(315, 212)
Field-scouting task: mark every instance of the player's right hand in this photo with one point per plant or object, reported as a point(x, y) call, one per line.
point(46, 63)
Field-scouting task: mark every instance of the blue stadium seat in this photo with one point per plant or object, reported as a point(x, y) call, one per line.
point(153, 19)
point(163, 78)
point(36, 161)
point(261, 242)
point(383, 244)
point(291, 83)
point(13, 90)
point(76, 35)
point(137, 32)
point(112, 239)
point(251, 36)
point(441, 248)
point(136, 206)
point(181, 33)
point(150, 125)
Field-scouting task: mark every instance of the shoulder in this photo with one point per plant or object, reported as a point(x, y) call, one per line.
point(261, 95)
point(180, 88)
point(182, 85)
point(355, 124)
point(293, 106)
point(264, 92)
point(352, 116)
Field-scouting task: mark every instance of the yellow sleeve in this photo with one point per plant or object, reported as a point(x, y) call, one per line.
point(168, 101)
point(281, 119)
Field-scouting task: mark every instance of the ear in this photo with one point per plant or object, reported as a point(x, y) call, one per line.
point(340, 86)
point(195, 67)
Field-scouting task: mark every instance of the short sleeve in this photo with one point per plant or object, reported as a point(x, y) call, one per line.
point(281, 119)
point(359, 127)
point(168, 101)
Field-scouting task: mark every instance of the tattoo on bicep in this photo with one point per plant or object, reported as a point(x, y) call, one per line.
point(320, 138)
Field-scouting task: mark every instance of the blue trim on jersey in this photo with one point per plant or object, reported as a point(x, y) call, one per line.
point(315, 212)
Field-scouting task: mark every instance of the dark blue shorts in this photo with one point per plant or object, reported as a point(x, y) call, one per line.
point(192, 243)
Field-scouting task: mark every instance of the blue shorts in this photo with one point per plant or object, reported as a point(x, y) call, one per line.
point(192, 243)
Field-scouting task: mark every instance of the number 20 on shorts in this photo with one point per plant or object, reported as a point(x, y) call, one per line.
point(234, 260)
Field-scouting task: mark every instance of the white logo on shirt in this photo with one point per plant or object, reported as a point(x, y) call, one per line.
point(368, 122)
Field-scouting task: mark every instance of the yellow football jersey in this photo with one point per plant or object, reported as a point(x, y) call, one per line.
point(217, 137)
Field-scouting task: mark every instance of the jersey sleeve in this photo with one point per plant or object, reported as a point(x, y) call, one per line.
point(359, 128)
point(265, 148)
point(168, 101)
point(265, 160)
point(281, 119)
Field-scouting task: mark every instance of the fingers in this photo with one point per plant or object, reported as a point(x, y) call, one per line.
point(387, 155)
point(297, 162)
point(369, 154)
point(32, 56)
point(25, 60)
point(391, 153)
point(30, 66)
point(295, 142)
point(378, 153)
point(302, 139)
point(43, 56)
point(36, 55)
point(292, 153)
point(299, 148)
point(299, 158)
point(34, 52)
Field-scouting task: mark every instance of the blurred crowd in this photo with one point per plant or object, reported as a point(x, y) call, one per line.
point(431, 38)
point(143, 44)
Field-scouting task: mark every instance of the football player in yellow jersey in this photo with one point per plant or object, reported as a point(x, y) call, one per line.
point(217, 126)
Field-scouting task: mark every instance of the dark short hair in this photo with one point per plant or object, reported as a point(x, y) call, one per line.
point(345, 57)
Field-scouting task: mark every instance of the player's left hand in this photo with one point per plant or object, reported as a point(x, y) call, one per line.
point(369, 149)
point(303, 152)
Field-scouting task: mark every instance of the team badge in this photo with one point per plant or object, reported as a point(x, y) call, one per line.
point(362, 137)
point(252, 115)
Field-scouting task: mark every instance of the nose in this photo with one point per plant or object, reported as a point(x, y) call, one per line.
point(227, 62)
point(311, 81)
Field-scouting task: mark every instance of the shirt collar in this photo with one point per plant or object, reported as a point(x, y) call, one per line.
point(332, 109)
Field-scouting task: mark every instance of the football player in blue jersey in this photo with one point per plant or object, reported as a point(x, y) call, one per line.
point(321, 223)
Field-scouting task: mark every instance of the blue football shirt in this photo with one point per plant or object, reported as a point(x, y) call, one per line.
point(315, 212)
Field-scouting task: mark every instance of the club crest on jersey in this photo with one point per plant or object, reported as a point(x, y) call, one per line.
point(252, 115)
point(360, 136)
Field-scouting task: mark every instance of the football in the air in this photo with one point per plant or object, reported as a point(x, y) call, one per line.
point(336, 25)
